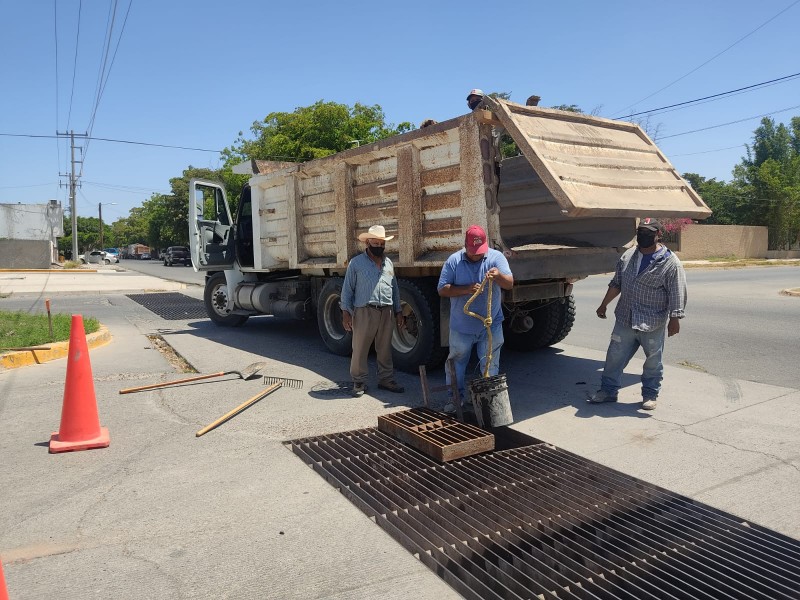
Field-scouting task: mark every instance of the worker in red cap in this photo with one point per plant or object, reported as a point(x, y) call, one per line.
point(651, 285)
point(461, 276)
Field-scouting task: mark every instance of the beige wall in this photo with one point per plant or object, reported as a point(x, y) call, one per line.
point(699, 242)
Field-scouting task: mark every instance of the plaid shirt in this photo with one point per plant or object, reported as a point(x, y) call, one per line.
point(648, 299)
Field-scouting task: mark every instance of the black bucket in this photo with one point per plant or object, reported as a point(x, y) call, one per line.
point(490, 399)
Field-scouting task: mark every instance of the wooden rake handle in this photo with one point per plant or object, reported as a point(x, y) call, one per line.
point(165, 384)
point(238, 409)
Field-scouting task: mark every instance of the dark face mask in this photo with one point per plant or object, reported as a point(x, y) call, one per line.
point(376, 250)
point(474, 102)
point(645, 239)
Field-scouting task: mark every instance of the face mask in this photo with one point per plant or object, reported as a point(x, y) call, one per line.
point(645, 239)
point(376, 250)
point(474, 102)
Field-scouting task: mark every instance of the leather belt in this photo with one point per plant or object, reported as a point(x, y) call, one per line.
point(379, 306)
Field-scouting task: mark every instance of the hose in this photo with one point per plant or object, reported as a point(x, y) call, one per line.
point(487, 320)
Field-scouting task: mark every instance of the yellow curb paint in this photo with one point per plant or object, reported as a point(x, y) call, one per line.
point(14, 360)
point(791, 292)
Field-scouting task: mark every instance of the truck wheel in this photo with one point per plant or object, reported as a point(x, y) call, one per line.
point(551, 324)
point(418, 342)
point(329, 318)
point(216, 298)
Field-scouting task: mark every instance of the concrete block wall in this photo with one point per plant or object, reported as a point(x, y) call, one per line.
point(699, 242)
point(25, 254)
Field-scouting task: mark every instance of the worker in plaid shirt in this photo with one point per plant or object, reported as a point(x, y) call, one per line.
point(651, 284)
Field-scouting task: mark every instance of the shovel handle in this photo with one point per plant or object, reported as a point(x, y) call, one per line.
point(239, 409)
point(165, 384)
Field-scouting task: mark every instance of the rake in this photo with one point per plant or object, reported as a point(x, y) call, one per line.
point(248, 372)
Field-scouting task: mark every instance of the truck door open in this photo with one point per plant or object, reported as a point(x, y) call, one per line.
point(211, 234)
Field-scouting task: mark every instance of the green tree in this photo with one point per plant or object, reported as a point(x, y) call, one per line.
point(311, 132)
point(769, 175)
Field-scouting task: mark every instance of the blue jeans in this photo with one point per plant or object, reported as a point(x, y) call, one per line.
point(461, 350)
point(624, 343)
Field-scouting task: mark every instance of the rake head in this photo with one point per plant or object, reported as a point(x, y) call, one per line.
point(290, 383)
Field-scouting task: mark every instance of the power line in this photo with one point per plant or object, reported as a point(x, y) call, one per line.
point(75, 62)
point(718, 54)
point(55, 35)
point(774, 112)
point(708, 151)
point(103, 83)
point(28, 135)
point(719, 95)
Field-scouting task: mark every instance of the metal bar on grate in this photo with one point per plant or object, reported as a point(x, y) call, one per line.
point(538, 521)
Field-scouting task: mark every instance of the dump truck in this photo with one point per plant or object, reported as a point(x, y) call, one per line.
point(563, 209)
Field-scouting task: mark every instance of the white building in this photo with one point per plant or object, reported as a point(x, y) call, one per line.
point(29, 234)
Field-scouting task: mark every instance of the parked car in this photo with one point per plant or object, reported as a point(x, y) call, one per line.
point(98, 257)
point(177, 254)
point(144, 256)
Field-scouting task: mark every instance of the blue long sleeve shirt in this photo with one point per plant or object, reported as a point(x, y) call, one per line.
point(366, 283)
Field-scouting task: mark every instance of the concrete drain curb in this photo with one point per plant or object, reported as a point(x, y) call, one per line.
point(23, 358)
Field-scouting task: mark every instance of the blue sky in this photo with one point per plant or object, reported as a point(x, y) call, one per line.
point(197, 73)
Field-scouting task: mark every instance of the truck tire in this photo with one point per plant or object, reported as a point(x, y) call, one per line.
point(551, 324)
point(329, 318)
point(418, 342)
point(215, 298)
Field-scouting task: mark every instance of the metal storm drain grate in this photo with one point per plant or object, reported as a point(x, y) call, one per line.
point(436, 434)
point(540, 522)
point(171, 306)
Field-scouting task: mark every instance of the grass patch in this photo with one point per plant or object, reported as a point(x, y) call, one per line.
point(72, 264)
point(18, 329)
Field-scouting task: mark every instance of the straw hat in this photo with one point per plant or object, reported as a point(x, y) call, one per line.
point(376, 232)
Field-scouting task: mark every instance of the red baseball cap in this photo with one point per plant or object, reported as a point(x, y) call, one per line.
point(475, 240)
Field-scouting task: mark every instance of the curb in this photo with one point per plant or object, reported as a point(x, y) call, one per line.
point(23, 358)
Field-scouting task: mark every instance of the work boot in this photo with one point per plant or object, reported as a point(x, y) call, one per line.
point(391, 386)
point(601, 396)
point(648, 403)
point(359, 387)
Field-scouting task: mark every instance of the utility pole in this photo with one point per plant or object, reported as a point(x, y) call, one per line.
point(73, 183)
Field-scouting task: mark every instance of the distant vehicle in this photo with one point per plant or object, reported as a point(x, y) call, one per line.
point(177, 254)
point(98, 257)
point(112, 252)
point(144, 256)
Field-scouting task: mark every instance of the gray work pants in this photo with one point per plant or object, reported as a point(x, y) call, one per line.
point(370, 323)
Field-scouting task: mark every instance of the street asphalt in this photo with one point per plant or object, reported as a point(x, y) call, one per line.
point(161, 513)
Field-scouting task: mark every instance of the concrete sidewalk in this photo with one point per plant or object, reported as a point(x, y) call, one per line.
point(104, 279)
point(234, 514)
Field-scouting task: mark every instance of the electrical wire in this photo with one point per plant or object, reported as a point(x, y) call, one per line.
point(707, 151)
point(75, 62)
point(107, 74)
point(55, 36)
point(774, 112)
point(715, 96)
point(717, 55)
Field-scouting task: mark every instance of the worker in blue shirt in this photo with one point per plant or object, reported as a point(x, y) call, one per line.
point(461, 276)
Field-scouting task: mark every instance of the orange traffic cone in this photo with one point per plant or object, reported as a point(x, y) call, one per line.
point(80, 425)
point(3, 590)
